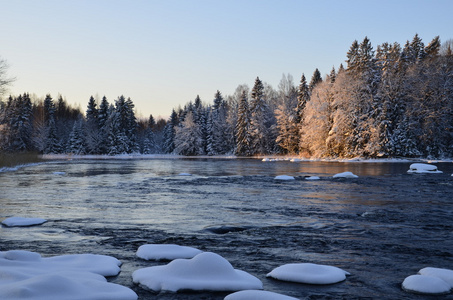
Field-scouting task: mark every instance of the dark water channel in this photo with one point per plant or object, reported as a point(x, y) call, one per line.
point(381, 227)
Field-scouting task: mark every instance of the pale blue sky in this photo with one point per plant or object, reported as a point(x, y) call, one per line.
point(164, 53)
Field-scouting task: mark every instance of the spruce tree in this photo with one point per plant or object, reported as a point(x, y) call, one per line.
point(243, 137)
point(315, 79)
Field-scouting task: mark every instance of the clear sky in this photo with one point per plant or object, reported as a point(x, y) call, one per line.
point(163, 53)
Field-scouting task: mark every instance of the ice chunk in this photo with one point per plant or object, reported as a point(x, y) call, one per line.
point(345, 175)
point(184, 174)
point(309, 273)
point(284, 177)
point(207, 271)
point(166, 252)
point(20, 221)
point(425, 285)
point(444, 274)
point(257, 295)
point(312, 178)
point(423, 168)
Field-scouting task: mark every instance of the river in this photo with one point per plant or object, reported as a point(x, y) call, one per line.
point(380, 227)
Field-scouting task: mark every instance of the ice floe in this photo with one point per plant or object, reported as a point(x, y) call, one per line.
point(345, 175)
point(166, 252)
point(312, 178)
point(207, 271)
point(257, 295)
point(20, 221)
point(308, 273)
point(284, 177)
point(423, 168)
point(27, 275)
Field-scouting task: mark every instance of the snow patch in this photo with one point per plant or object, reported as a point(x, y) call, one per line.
point(257, 295)
point(20, 221)
point(345, 175)
point(284, 177)
point(425, 285)
point(423, 168)
point(309, 273)
point(444, 274)
point(26, 275)
point(207, 271)
point(166, 252)
point(312, 178)
point(59, 173)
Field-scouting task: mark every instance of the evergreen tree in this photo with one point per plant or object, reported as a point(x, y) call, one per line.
point(169, 133)
point(52, 144)
point(77, 143)
point(243, 137)
point(92, 134)
point(315, 79)
point(259, 114)
point(286, 115)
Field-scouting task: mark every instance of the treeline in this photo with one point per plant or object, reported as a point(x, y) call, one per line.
point(392, 101)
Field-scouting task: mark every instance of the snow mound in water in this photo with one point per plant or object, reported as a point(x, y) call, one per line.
point(166, 252)
point(345, 175)
point(444, 274)
point(205, 272)
point(309, 273)
point(312, 178)
point(26, 275)
point(425, 285)
point(284, 177)
point(257, 295)
point(423, 168)
point(19, 221)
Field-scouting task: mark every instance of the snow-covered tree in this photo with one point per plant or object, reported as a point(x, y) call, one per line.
point(259, 120)
point(243, 136)
point(188, 137)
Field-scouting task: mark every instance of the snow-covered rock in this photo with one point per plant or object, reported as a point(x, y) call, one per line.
point(425, 285)
point(184, 174)
point(27, 275)
point(166, 252)
point(309, 273)
point(295, 160)
point(345, 175)
point(444, 274)
point(423, 168)
point(20, 221)
point(207, 271)
point(284, 177)
point(257, 295)
point(266, 159)
point(59, 173)
point(312, 178)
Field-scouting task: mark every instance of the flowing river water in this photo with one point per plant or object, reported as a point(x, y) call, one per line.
point(380, 227)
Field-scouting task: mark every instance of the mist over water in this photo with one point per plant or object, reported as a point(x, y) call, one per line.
point(381, 227)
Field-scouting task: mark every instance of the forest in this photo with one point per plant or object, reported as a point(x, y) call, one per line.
point(392, 101)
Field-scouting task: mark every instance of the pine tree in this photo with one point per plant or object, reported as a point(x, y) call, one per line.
point(169, 133)
point(286, 116)
point(259, 114)
point(52, 144)
point(77, 143)
point(243, 137)
point(315, 79)
point(92, 134)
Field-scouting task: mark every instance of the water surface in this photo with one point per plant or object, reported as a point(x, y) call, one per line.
point(381, 227)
